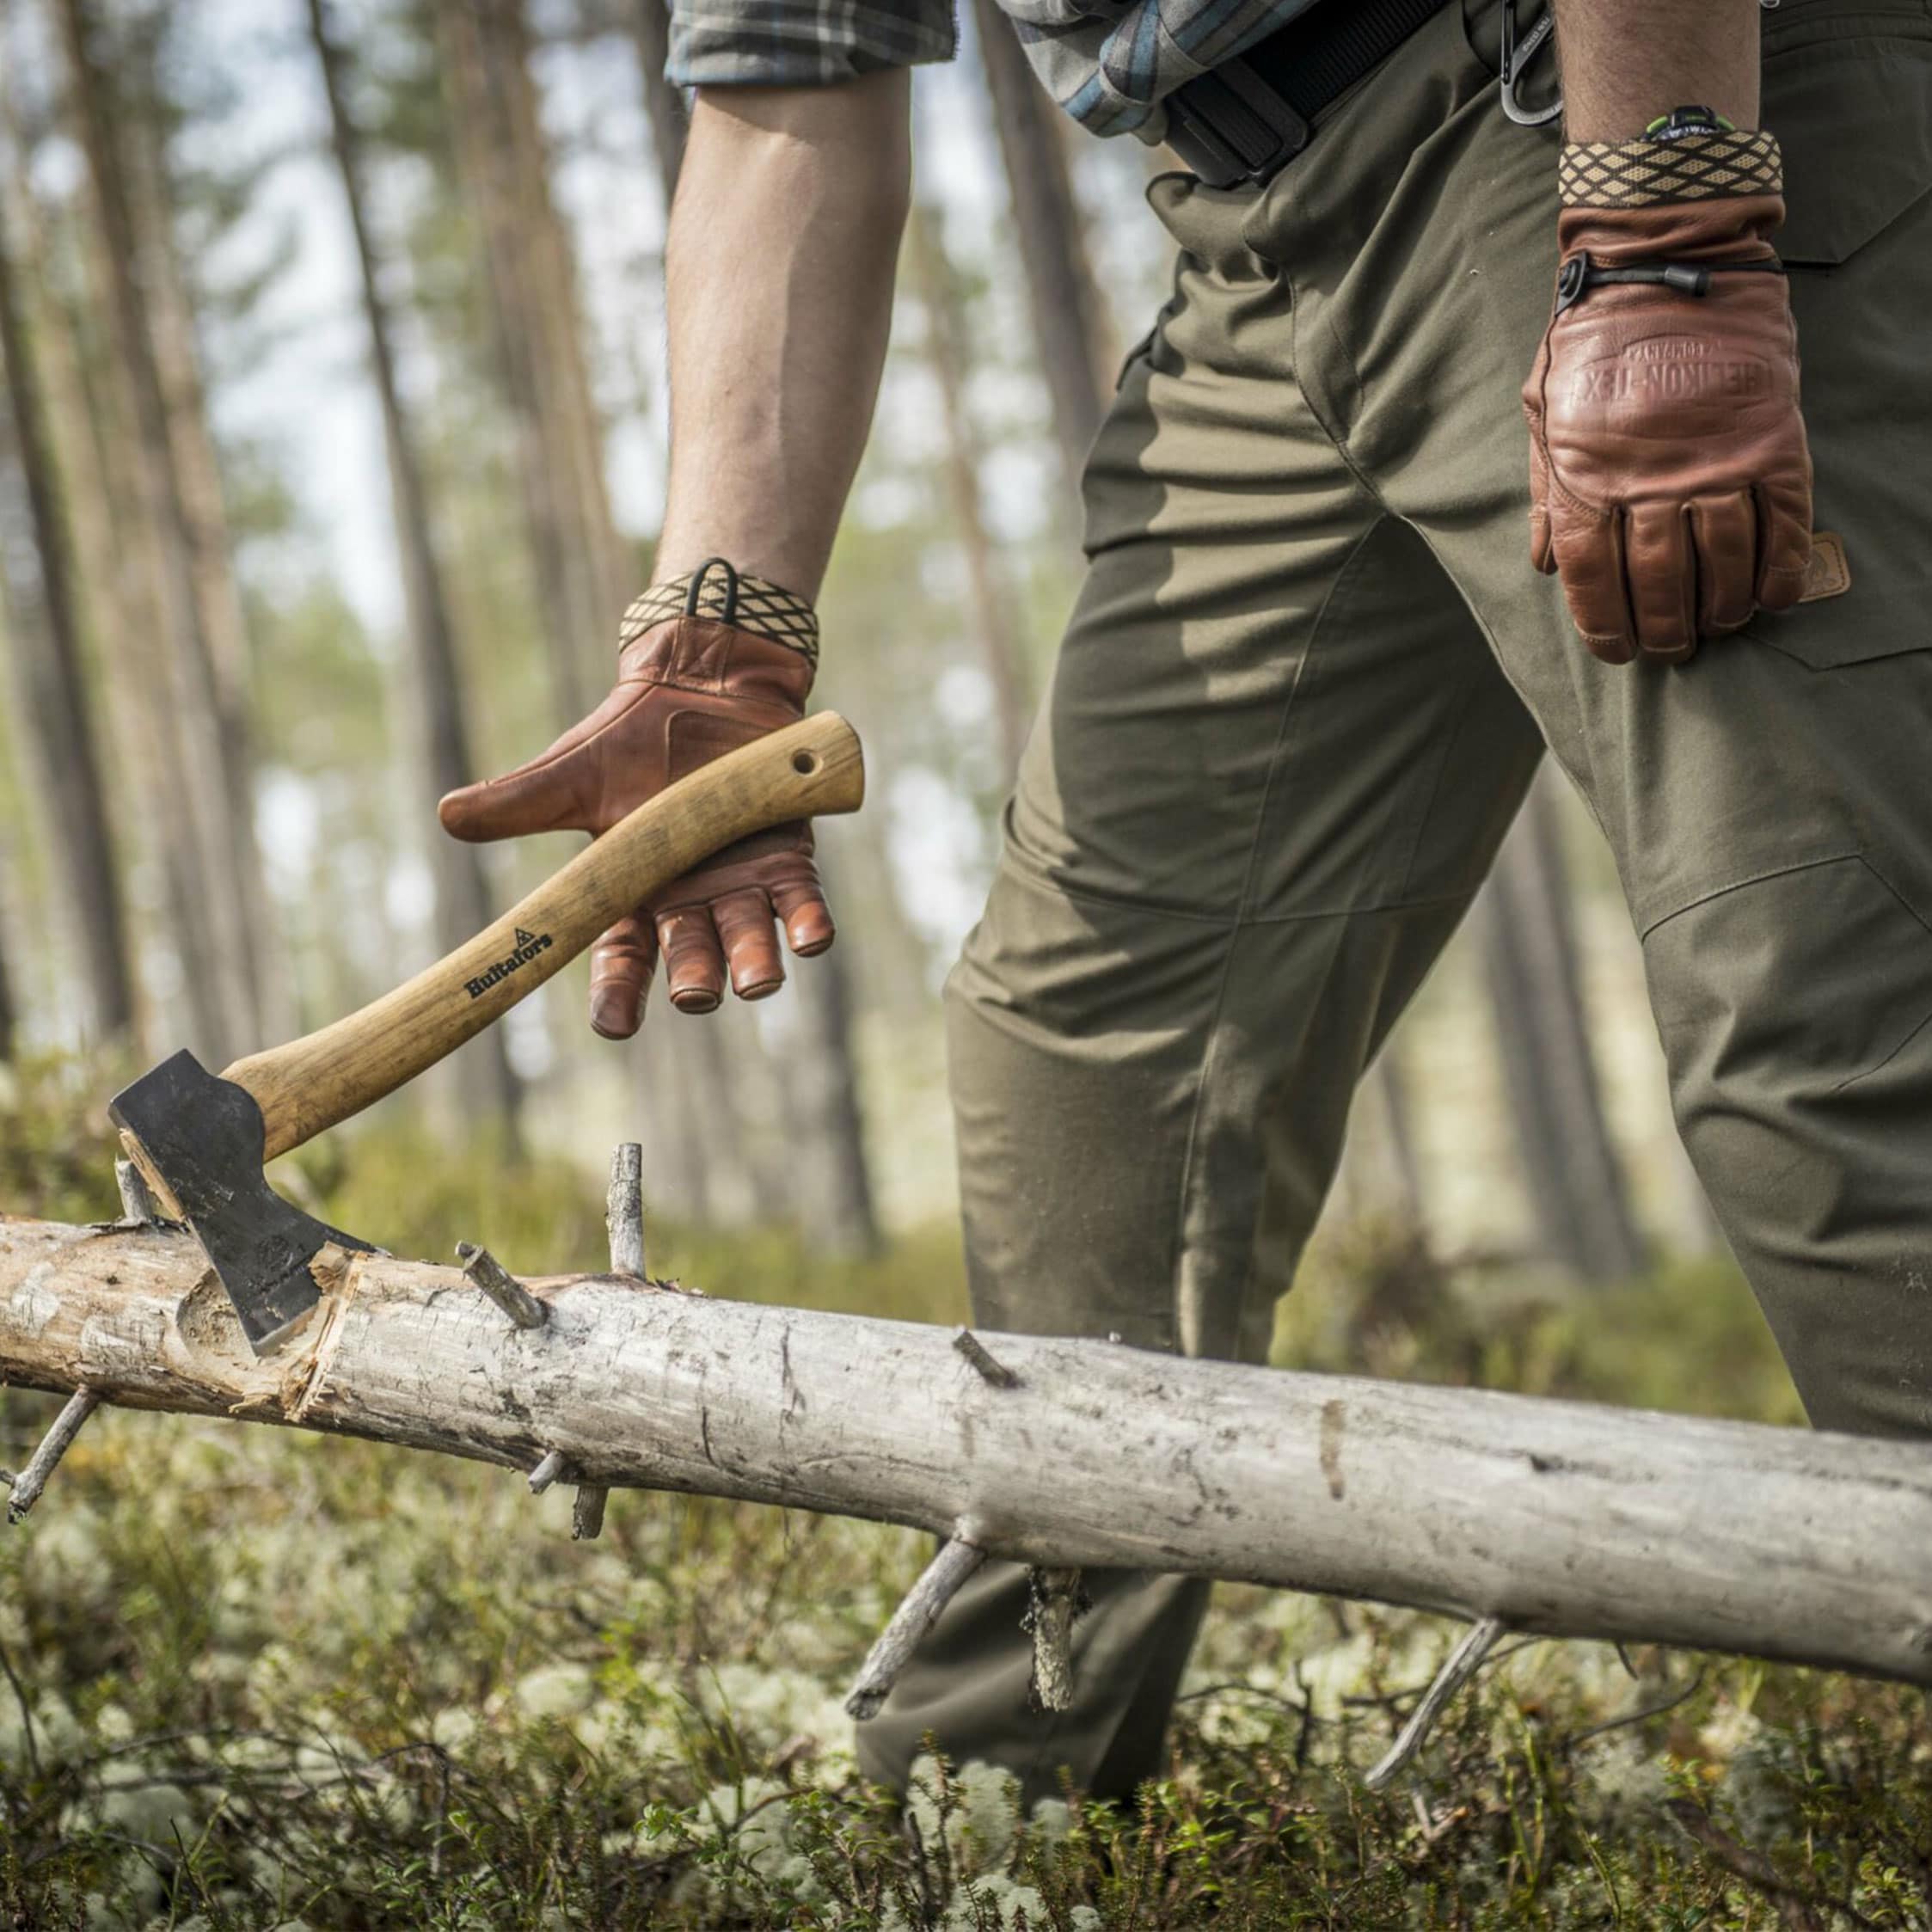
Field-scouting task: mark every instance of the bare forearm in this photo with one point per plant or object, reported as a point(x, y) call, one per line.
point(1625, 62)
point(780, 266)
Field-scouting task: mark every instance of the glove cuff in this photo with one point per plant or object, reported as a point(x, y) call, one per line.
point(731, 597)
point(1725, 164)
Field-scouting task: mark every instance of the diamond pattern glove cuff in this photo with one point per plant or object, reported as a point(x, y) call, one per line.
point(1670, 477)
point(689, 689)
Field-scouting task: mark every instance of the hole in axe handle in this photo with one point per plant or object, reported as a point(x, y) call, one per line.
point(805, 763)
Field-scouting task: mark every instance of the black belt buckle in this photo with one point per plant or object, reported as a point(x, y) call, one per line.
point(1231, 127)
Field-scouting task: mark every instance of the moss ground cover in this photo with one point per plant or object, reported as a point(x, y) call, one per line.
point(250, 1679)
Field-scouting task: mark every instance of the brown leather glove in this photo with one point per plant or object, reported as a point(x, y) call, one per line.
point(1671, 483)
point(689, 689)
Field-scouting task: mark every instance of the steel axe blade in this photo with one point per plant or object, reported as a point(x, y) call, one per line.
point(204, 1138)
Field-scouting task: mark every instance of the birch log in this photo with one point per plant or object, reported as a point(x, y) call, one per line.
point(1554, 1518)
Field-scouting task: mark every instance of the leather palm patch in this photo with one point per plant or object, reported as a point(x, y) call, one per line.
point(1826, 571)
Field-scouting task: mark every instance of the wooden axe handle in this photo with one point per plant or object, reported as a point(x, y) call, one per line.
point(806, 771)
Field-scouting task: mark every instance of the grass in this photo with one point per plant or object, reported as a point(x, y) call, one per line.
point(252, 1679)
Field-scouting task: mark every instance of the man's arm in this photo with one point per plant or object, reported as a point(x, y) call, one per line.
point(780, 266)
point(1625, 62)
point(780, 263)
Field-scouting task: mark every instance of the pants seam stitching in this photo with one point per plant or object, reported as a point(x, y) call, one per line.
point(1212, 1038)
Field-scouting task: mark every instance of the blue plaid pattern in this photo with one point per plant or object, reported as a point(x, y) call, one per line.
point(1109, 63)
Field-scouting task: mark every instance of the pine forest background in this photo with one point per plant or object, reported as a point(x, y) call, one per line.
point(331, 450)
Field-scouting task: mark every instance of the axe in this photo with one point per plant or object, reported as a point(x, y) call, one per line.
point(201, 1141)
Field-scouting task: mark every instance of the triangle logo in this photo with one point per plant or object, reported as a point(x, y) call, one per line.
point(525, 938)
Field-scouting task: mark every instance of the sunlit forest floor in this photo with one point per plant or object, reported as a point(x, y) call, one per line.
point(250, 1679)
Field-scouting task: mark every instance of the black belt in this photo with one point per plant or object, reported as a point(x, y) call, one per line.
point(1250, 117)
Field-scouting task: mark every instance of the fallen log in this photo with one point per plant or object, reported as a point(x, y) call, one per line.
point(1552, 1517)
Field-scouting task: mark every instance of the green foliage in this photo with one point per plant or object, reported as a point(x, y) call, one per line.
point(250, 1679)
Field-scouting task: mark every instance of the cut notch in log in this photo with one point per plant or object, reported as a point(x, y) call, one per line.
point(939, 1583)
point(137, 1205)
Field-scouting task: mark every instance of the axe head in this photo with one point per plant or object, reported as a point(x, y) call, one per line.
point(203, 1136)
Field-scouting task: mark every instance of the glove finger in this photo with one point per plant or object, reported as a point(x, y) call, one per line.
point(562, 790)
point(694, 961)
point(1784, 539)
point(1726, 529)
point(744, 925)
point(1591, 562)
point(802, 911)
point(622, 963)
point(1660, 566)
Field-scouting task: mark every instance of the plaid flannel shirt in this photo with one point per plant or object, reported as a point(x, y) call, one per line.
point(1108, 63)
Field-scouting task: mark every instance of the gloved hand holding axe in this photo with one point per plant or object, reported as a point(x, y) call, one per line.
point(201, 1141)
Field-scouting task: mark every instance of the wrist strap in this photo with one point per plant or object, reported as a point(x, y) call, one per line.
point(1647, 174)
point(731, 597)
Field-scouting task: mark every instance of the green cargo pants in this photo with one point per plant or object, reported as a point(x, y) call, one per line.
point(1307, 683)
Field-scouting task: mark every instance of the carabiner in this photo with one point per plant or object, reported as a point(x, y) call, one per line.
point(1516, 64)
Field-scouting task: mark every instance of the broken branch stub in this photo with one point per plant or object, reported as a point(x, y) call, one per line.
point(502, 1287)
point(939, 1583)
point(26, 1487)
point(1463, 1662)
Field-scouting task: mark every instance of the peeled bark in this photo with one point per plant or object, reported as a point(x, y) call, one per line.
point(1557, 1519)
point(488, 1086)
point(1069, 316)
point(1576, 1182)
point(53, 708)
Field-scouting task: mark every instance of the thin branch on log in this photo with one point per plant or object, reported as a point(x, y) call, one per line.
point(587, 1512)
point(31, 1481)
point(1556, 1518)
point(990, 1370)
point(502, 1287)
point(1056, 1599)
point(623, 1221)
point(623, 1214)
point(547, 1471)
point(1464, 1661)
point(938, 1585)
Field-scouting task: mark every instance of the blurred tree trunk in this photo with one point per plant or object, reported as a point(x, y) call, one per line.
point(173, 325)
point(1576, 1182)
point(9, 1017)
point(216, 936)
point(118, 576)
point(989, 609)
point(664, 106)
point(1069, 316)
point(54, 715)
point(584, 574)
point(487, 1084)
point(835, 1204)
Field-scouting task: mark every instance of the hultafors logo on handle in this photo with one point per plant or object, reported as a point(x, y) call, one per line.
point(529, 945)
